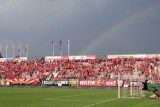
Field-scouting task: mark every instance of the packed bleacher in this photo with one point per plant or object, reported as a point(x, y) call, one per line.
point(89, 69)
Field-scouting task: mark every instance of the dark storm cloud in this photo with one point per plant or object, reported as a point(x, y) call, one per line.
point(38, 22)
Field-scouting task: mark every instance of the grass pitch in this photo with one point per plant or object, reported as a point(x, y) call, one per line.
point(62, 97)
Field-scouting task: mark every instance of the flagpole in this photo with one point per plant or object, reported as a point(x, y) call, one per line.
point(52, 48)
point(60, 48)
point(0, 49)
point(26, 50)
point(19, 50)
point(13, 51)
point(68, 44)
point(6, 49)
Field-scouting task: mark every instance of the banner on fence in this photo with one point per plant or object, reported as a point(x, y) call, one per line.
point(107, 83)
point(17, 81)
point(56, 83)
point(74, 82)
point(87, 83)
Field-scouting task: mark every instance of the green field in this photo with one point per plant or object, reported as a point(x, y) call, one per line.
point(61, 97)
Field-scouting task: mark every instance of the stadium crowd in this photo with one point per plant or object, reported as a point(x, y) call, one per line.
point(82, 69)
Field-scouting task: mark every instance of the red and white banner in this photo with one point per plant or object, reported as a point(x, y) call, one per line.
point(52, 58)
point(2, 59)
point(65, 57)
point(91, 56)
point(127, 56)
point(87, 83)
point(110, 83)
point(13, 59)
point(107, 83)
point(134, 56)
point(77, 57)
point(23, 81)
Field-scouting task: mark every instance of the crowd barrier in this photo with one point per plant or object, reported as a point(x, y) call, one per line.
point(85, 83)
point(79, 83)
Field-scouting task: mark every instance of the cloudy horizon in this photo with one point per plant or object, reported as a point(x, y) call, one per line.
point(94, 27)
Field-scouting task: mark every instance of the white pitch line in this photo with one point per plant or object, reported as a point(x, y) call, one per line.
point(72, 96)
point(72, 100)
point(100, 102)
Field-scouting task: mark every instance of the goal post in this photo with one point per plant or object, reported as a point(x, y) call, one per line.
point(129, 87)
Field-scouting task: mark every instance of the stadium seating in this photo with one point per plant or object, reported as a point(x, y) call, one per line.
point(82, 69)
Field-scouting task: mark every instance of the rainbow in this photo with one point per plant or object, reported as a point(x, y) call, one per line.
point(124, 22)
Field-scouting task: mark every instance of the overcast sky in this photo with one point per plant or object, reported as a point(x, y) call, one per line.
point(94, 27)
